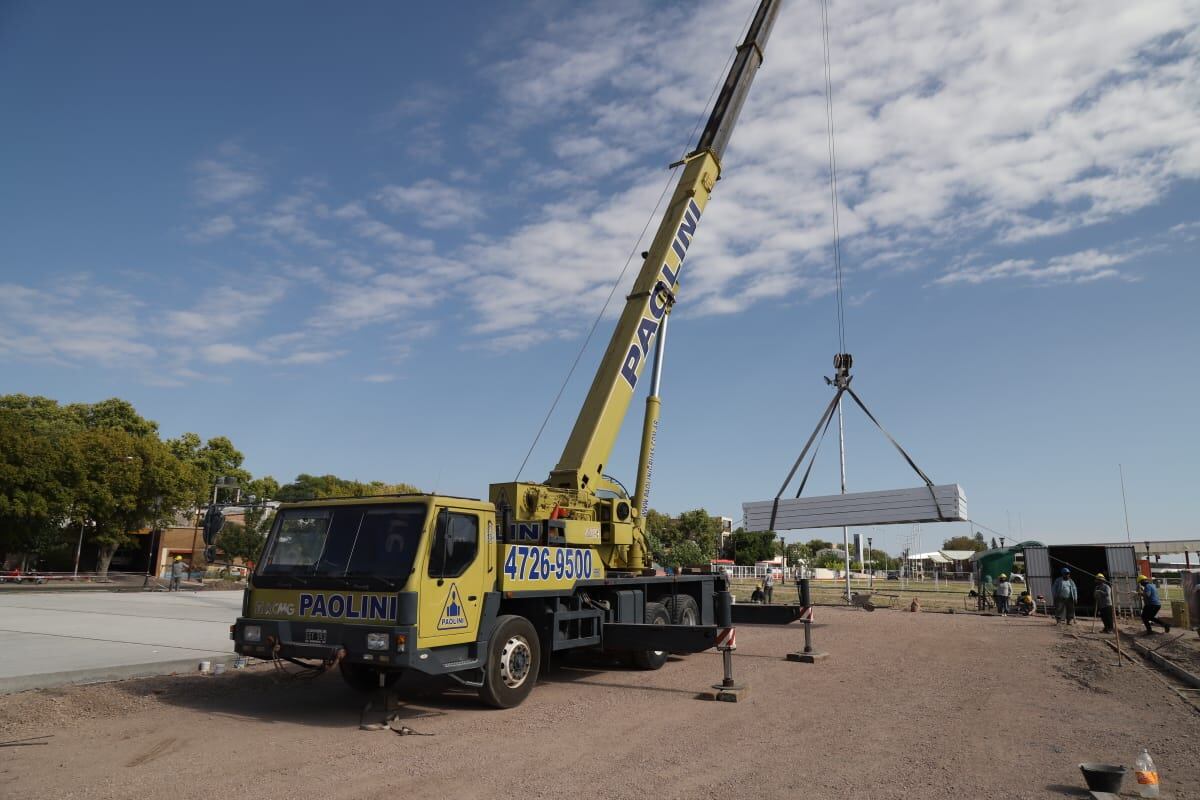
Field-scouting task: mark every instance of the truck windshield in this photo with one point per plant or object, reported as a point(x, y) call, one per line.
point(345, 541)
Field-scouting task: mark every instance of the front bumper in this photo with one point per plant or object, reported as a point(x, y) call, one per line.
point(324, 641)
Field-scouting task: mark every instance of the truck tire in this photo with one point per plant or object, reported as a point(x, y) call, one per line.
point(684, 610)
point(514, 658)
point(656, 614)
point(364, 678)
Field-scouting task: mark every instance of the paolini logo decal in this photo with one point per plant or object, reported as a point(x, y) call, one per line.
point(657, 305)
point(453, 614)
point(315, 605)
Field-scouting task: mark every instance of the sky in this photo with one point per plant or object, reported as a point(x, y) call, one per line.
point(370, 239)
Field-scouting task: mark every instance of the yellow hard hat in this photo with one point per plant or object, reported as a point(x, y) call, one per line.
point(1142, 579)
point(1002, 575)
point(179, 558)
point(1099, 576)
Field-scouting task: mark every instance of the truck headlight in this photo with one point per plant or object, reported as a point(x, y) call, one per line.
point(377, 641)
point(252, 633)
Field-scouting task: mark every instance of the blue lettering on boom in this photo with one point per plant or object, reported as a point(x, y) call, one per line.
point(649, 324)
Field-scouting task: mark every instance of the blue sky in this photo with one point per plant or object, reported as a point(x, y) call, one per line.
point(369, 239)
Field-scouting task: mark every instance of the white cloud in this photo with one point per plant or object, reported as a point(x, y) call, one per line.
point(224, 309)
point(434, 203)
point(379, 377)
point(213, 228)
point(306, 357)
point(230, 175)
point(988, 122)
point(1081, 267)
point(78, 322)
point(226, 353)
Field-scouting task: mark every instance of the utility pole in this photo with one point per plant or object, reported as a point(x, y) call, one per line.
point(842, 362)
point(78, 550)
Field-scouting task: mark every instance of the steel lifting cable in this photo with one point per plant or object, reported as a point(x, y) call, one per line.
point(636, 248)
point(839, 280)
point(833, 193)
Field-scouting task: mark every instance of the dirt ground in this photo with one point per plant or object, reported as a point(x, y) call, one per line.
point(907, 705)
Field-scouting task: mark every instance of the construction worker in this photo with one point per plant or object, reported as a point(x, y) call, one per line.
point(768, 585)
point(1151, 605)
point(1003, 593)
point(1066, 595)
point(1104, 601)
point(1025, 603)
point(178, 570)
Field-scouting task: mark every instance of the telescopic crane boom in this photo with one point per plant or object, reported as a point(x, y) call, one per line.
point(591, 441)
point(570, 491)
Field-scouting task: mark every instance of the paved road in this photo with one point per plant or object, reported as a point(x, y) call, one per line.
point(48, 639)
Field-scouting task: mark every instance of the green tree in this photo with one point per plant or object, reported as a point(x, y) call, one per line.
point(313, 487)
point(216, 458)
point(797, 552)
point(702, 528)
point(816, 545)
point(242, 541)
point(752, 546)
point(264, 488)
point(38, 476)
point(113, 414)
point(974, 544)
point(130, 482)
point(686, 553)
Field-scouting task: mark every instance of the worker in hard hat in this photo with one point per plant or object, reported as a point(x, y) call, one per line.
point(1151, 605)
point(178, 570)
point(1025, 602)
point(1066, 595)
point(1102, 595)
point(1003, 593)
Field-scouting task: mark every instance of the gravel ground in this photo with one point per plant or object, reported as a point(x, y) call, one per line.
point(907, 705)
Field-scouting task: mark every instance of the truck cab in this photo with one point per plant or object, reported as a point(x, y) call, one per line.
point(374, 584)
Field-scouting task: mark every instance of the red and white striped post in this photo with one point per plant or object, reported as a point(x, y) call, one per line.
point(728, 689)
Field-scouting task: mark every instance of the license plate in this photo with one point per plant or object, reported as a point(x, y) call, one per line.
point(312, 636)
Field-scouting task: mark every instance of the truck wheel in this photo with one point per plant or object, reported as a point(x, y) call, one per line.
point(683, 608)
point(513, 659)
point(365, 679)
point(656, 614)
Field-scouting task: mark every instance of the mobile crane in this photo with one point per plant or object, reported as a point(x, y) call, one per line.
point(485, 591)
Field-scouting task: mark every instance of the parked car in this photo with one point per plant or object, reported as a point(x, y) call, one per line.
point(893, 575)
point(16, 576)
point(1017, 577)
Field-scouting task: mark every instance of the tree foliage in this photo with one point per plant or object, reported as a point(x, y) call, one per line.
point(97, 467)
point(752, 546)
point(696, 531)
point(313, 487)
point(796, 552)
point(975, 544)
point(103, 468)
point(242, 541)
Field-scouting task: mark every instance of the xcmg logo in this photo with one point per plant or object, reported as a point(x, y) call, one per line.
point(657, 305)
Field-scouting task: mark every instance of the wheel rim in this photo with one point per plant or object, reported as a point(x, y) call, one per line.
point(515, 660)
point(688, 617)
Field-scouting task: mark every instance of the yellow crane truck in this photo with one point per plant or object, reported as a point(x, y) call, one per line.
point(485, 591)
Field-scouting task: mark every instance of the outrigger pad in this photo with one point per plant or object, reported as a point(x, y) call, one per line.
point(756, 614)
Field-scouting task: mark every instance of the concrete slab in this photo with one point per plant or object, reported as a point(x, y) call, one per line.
point(52, 639)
